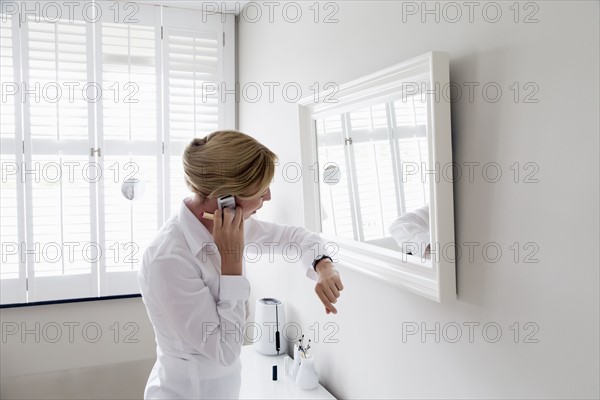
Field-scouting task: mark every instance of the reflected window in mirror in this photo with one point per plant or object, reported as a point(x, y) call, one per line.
point(371, 159)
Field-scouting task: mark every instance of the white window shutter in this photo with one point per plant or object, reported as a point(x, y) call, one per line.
point(369, 130)
point(57, 137)
point(129, 134)
point(197, 63)
point(12, 220)
point(411, 138)
point(337, 208)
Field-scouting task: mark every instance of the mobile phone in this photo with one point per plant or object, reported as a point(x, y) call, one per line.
point(226, 202)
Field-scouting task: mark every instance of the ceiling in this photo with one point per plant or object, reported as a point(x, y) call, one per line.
point(229, 6)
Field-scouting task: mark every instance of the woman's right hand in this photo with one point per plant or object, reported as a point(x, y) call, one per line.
point(228, 234)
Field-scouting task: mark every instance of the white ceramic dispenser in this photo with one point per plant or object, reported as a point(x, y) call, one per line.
point(270, 319)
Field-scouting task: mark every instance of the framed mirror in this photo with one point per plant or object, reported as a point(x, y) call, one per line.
point(381, 192)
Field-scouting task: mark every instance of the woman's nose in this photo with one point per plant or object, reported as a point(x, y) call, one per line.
point(268, 195)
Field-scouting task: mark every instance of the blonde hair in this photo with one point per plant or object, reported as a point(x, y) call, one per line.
point(228, 162)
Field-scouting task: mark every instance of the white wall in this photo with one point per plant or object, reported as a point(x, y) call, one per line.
point(560, 213)
point(74, 335)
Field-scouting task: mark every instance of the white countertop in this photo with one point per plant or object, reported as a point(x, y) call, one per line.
point(257, 380)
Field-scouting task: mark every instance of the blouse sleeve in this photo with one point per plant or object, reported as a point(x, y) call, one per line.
point(214, 327)
point(269, 237)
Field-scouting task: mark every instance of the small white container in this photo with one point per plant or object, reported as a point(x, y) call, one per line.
point(296, 363)
point(307, 378)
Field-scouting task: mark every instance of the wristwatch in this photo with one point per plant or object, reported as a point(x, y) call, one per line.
point(319, 258)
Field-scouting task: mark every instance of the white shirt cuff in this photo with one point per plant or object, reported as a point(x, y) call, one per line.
point(234, 287)
point(312, 274)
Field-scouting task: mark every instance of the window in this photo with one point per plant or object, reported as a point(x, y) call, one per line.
point(371, 147)
point(90, 109)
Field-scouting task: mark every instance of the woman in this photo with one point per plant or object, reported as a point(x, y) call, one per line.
point(192, 278)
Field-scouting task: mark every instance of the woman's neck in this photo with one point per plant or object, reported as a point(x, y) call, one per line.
point(198, 209)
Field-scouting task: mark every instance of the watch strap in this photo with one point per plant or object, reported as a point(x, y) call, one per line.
point(319, 258)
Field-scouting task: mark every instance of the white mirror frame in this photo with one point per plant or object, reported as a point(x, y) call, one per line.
point(436, 278)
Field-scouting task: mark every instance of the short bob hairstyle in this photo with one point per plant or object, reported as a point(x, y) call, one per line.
point(228, 162)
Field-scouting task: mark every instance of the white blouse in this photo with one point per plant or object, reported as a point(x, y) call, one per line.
point(198, 314)
point(411, 231)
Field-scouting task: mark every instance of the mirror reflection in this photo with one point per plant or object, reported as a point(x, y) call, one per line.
point(375, 186)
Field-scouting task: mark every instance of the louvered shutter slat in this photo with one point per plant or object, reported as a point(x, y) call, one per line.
point(7, 105)
point(9, 224)
point(193, 61)
point(129, 57)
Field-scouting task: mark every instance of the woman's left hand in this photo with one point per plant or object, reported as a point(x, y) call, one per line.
point(329, 285)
